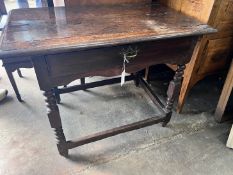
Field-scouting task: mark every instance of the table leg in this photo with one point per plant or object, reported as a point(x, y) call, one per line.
point(173, 91)
point(57, 95)
point(82, 81)
point(55, 121)
point(12, 80)
point(19, 73)
point(136, 79)
point(147, 74)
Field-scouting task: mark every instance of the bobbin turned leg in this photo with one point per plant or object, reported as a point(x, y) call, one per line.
point(55, 122)
point(61, 142)
point(173, 92)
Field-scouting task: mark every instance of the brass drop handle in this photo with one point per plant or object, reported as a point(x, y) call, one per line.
point(129, 53)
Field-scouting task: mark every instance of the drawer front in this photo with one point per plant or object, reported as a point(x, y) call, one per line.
point(109, 61)
point(85, 63)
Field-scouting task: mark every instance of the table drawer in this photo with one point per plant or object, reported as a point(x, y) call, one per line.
point(109, 61)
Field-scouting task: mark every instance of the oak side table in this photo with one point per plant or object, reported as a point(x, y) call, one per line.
point(101, 41)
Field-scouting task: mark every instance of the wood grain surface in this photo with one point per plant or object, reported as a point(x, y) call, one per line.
point(59, 29)
point(101, 2)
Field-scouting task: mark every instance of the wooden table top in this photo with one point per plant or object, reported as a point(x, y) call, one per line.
point(61, 29)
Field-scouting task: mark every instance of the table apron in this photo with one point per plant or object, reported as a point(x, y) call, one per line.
point(64, 68)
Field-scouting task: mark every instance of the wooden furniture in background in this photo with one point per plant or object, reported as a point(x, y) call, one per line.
point(22, 62)
point(2, 8)
point(3, 14)
point(226, 92)
point(212, 52)
point(225, 95)
point(63, 53)
point(3, 19)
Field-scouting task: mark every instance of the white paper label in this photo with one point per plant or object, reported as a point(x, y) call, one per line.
point(123, 70)
point(123, 77)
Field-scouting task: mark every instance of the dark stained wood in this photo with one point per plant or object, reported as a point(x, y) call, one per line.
point(92, 85)
point(12, 81)
point(66, 43)
point(102, 2)
point(20, 62)
point(3, 14)
point(173, 91)
point(14, 64)
point(50, 3)
point(82, 80)
point(115, 131)
point(54, 30)
point(57, 95)
point(74, 65)
point(174, 86)
point(151, 93)
point(55, 121)
point(2, 8)
point(19, 73)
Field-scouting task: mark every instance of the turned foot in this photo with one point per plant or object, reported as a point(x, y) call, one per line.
point(63, 151)
point(61, 142)
point(55, 121)
point(167, 119)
